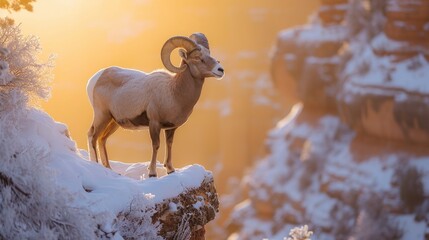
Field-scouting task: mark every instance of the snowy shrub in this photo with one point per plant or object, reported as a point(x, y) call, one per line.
point(300, 233)
point(31, 205)
point(136, 222)
point(183, 231)
point(22, 76)
point(411, 188)
point(5, 75)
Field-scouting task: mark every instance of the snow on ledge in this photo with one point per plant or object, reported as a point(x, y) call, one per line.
point(366, 68)
point(94, 187)
point(383, 43)
point(314, 33)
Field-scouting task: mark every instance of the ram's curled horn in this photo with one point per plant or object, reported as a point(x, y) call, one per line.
point(173, 43)
point(201, 39)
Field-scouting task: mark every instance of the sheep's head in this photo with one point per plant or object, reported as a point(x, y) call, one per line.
point(195, 54)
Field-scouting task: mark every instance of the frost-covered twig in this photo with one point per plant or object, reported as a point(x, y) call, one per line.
point(5, 75)
point(62, 223)
point(183, 230)
point(300, 233)
point(21, 72)
point(7, 181)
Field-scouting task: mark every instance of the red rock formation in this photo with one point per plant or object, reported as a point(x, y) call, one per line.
point(332, 11)
point(352, 161)
point(385, 91)
point(407, 21)
point(310, 55)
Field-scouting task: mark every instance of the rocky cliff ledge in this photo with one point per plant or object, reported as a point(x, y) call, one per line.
point(179, 217)
point(49, 190)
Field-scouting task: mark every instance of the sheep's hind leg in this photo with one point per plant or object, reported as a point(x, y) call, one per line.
point(110, 129)
point(169, 135)
point(154, 129)
point(98, 127)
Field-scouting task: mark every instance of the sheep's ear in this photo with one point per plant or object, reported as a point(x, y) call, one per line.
point(183, 54)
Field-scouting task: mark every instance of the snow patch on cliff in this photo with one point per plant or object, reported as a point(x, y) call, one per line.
point(85, 186)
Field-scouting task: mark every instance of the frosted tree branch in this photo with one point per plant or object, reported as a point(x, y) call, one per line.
point(300, 233)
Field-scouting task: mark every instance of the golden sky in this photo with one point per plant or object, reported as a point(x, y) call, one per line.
point(231, 120)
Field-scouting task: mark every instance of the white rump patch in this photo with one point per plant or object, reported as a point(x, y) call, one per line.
point(91, 84)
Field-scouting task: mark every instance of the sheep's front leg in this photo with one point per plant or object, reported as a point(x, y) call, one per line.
point(169, 135)
point(92, 145)
point(154, 129)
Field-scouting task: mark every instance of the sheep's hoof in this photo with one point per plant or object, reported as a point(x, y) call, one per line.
point(152, 175)
point(171, 172)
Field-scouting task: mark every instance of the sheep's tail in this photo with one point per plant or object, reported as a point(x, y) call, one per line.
point(91, 84)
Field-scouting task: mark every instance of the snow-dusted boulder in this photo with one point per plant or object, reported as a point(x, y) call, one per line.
point(49, 190)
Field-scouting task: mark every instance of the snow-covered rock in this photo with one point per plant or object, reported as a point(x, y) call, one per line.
point(321, 173)
point(41, 166)
point(322, 169)
point(376, 76)
point(384, 86)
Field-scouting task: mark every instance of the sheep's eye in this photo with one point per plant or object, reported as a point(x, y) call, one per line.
point(202, 60)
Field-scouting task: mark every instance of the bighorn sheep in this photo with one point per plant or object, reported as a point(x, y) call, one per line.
point(159, 100)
